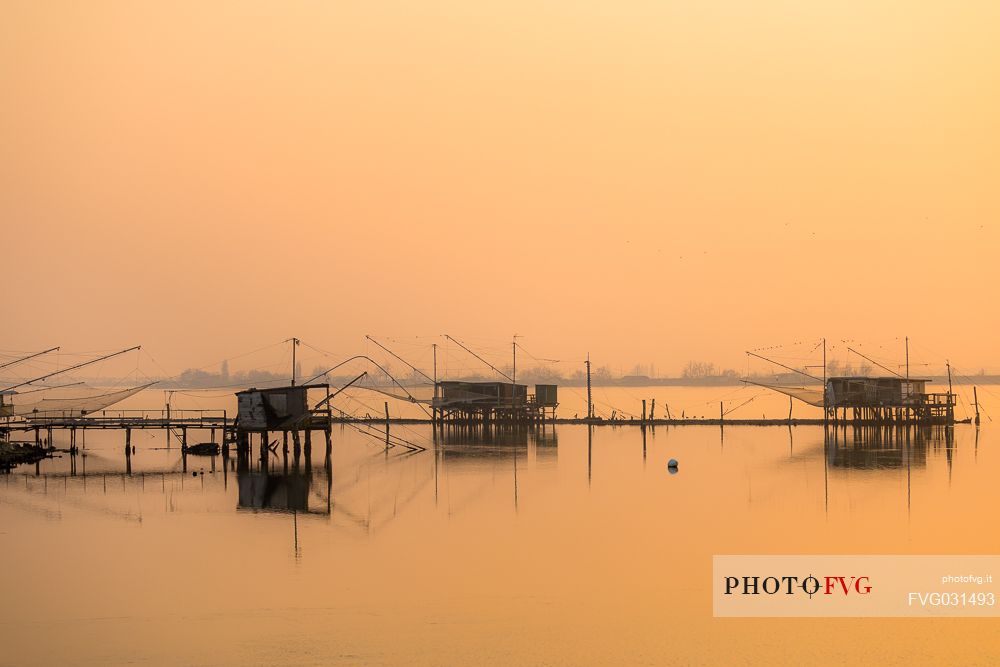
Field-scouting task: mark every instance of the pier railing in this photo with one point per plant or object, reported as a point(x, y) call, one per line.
point(192, 417)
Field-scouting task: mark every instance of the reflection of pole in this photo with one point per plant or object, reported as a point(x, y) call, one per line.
point(907, 445)
point(826, 464)
point(644, 445)
point(590, 448)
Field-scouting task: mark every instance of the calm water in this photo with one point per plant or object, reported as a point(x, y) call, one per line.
point(565, 547)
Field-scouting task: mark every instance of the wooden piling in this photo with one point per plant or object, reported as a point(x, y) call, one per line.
point(975, 399)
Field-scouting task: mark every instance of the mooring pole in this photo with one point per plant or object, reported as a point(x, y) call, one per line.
point(590, 401)
point(975, 399)
point(644, 411)
point(513, 386)
point(951, 410)
point(907, 357)
point(434, 411)
point(826, 413)
point(167, 425)
point(386, 403)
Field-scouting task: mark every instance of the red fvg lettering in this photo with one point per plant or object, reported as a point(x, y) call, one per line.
point(846, 584)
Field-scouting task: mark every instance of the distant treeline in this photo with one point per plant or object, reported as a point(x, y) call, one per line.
point(695, 373)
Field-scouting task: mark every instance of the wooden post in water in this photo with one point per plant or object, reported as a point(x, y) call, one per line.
point(975, 399)
point(826, 409)
point(789, 410)
point(652, 409)
point(386, 403)
point(128, 452)
point(721, 413)
point(434, 411)
point(644, 411)
point(951, 409)
point(590, 401)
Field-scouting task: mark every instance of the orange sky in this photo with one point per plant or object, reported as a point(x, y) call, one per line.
point(650, 181)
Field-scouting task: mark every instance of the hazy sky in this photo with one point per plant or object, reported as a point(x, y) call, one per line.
point(650, 181)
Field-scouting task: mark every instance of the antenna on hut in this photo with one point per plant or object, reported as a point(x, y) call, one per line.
point(295, 344)
point(907, 357)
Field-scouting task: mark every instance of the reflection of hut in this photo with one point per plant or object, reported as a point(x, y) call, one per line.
point(475, 402)
point(887, 399)
point(288, 492)
point(274, 492)
point(870, 447)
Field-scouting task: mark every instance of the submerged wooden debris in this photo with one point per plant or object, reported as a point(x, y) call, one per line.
point(15, 453)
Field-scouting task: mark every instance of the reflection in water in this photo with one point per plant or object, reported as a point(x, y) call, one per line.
point(872, 448)
point(471, 444)
point(887, 447)
point(502, 527)
point(270, 491)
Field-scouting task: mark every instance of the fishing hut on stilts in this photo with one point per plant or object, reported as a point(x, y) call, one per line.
point(285, 410)
point(862, 400)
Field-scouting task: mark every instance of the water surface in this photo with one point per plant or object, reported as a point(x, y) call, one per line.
point(569, 546)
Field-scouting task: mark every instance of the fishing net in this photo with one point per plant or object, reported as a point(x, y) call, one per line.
point(77, 402)
point(811, 395)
